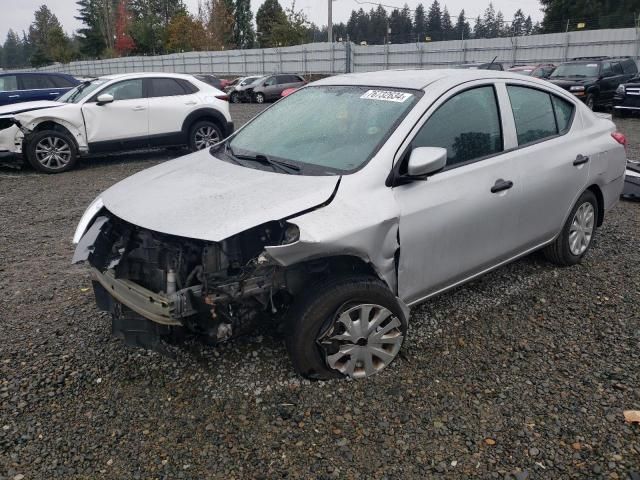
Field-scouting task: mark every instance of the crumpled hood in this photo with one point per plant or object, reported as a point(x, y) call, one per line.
point(16, 108)
point(199, 196)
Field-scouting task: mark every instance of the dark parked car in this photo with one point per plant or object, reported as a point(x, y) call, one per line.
point(28, 87)
point(544, 71)
point(627, 98)
point(594, 80)
point(271, 87)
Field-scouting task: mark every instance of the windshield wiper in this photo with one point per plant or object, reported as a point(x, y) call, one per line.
point(263, 159)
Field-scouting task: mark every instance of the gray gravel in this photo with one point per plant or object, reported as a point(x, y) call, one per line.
point(522, 374)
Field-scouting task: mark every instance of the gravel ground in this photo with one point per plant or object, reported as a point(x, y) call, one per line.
point(522, 374)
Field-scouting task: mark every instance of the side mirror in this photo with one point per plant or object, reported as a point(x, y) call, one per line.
point(105, 98)
point(426, 160)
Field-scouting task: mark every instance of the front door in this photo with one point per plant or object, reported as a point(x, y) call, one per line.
point(121, 124)
point(460, 221)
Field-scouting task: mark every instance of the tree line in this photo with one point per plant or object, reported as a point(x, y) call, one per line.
point(112, 28)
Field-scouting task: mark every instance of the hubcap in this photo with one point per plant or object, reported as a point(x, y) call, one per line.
point(260, 99)
point(581, 229)
point(363, 340)
point(53, 152)
point(206, 136)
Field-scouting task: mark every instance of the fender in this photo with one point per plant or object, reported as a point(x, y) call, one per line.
point(226, 127)
point(29, 122)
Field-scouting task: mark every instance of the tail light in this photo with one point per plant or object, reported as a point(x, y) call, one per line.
point(224, 98)
point(620, 138)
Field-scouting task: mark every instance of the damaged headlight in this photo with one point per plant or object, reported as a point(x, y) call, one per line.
point(88, 215)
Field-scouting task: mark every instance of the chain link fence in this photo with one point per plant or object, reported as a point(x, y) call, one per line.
point(327, 58)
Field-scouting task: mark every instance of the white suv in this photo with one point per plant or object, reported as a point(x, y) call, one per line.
point(116, 113)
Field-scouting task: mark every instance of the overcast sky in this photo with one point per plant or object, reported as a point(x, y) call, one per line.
point(19, 13)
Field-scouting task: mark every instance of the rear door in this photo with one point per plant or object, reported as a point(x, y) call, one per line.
point(553, 157)
point(121, 124)
point(9, 92)
point(612, 76)
point(169, 104)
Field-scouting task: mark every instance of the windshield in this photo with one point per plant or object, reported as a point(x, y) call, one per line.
point(335, 129)
point(250, 80)
point(577, 70)
point(82, 91)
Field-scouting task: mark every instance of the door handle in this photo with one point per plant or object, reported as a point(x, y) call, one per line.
point(14, 96)
point(54, 93)
point(580, 160)
point(138, 109)
point(501, 185)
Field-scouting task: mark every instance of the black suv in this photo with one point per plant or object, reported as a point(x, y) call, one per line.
point(594, 80)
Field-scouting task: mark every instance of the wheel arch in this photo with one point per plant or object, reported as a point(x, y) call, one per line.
point(595, 189)
point(210, 114)
point(50, 124)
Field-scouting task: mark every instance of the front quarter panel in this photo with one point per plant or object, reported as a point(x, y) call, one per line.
point(69, 116)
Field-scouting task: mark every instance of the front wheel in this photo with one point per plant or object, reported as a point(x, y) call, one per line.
point(590, 101)
point(51, 151)
point(204, 134)
point(576, 236)
point(352, 326)
point(234, 98)
point(260, 98)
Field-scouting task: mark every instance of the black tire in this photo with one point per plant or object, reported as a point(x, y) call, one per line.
point(315, 312)
point(559, 252)
point(591, 101)
point(64, 145)
point(260, 98)
point(235, 98)
point(196, 130)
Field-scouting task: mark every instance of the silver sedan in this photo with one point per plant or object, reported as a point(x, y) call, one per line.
point(342, 206)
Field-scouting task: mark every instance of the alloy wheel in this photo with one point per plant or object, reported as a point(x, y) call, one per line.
point(362, 340)
point(581, 230)
point(53, 152)
point(205, 136)
point(259, 98)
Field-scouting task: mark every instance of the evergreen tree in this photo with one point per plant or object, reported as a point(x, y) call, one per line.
point(479, 30)
point(377, 24)
point(49, 41)
point(462, 29)
point(92, 41)
point(518, 26)
point(12, 51)
point(528, 26)
point(420, 23)
point(434, 21)
point(269, 14)
point(447, 27)
point(243, 33)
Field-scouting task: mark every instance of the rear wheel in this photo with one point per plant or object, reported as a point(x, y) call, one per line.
point(234, 98)
point(576, 237)
point(352, 326)
point(204, 134)
point(590, 101)
point(51, 151)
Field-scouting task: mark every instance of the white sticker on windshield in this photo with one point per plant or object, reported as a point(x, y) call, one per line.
point(387, 96)
point(592, 65)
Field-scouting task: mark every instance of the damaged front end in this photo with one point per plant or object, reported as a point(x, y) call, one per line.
point(156, 284)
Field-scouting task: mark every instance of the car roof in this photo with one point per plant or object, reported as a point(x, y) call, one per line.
point(57, 74)
point(418, 79)
point(122, 76)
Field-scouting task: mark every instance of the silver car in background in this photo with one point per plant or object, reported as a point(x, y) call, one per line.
point(345, 204)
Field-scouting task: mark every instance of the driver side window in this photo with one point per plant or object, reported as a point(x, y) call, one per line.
point(126, 90)
point(467, 125)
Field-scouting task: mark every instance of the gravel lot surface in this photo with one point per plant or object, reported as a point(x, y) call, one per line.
point(522, 374)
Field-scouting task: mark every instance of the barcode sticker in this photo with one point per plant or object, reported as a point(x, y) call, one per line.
point(387, 96)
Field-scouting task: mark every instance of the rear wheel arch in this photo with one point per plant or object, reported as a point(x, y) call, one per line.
point(600, 198)
point(208, 114)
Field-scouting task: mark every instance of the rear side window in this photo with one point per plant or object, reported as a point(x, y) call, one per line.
point(188, 86)
point(166, 87)
point(629, 66)
point(8, 83)
point(564, 114)
point(533, 113)
point(60, 82)
point(467, 125)
point(617, 68)
point(35, 82)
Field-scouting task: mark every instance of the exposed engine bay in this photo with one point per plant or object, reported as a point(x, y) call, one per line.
point(215, 289)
